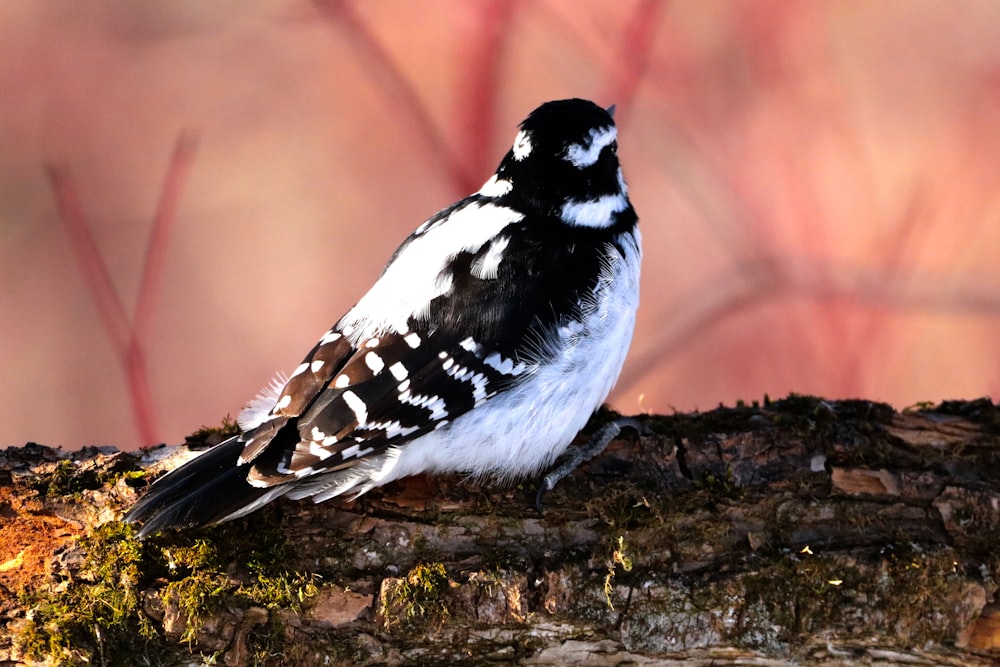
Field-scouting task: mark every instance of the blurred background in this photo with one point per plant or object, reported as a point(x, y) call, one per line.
point(192, 192)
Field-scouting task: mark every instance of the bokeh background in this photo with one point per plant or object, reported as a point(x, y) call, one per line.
point(191, 192)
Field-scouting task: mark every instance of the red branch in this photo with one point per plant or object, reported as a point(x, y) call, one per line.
point(178, 169)
point(127, 338)
point(92, 265)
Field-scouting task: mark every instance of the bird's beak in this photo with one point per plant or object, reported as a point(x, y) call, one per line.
point(611, 110)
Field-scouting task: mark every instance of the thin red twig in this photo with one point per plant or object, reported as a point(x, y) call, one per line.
point(140, 395)
point(128, 339)
point(95, 271)
point(185, 148)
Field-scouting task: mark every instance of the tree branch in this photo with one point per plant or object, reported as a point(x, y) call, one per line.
point(800, 531)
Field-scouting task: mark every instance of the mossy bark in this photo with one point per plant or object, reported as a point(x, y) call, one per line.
point(800, 531)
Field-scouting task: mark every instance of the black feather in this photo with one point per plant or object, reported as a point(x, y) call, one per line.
point(204, 490)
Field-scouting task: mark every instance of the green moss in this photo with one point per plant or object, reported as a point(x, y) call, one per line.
point(417, 600)
point(132, 475)
point(223, 567)
point(199, 555)
point(67, 479)
point(97, 618)
point(61, 481)
point(287, 590)
point(197, 596)
point(212, 435)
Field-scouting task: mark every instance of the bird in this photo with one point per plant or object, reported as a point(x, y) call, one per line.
point(494, 332)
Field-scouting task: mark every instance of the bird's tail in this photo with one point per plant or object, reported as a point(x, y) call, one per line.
point(208, 489)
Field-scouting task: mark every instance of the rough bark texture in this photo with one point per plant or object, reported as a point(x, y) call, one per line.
point(798, 532)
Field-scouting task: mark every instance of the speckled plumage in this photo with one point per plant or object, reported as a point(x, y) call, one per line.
point(494, 332)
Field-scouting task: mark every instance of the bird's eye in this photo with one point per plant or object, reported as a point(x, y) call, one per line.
point(614, 147)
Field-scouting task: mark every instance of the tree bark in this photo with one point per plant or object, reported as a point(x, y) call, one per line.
point(802, 531)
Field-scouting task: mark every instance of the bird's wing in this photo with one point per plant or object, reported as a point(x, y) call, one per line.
point(347, 402)
point(328, 356)
point(390, 389)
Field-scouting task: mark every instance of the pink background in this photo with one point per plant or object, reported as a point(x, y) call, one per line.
point(817, 182)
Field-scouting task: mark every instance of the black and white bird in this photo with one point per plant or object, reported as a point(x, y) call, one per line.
point(494, 332)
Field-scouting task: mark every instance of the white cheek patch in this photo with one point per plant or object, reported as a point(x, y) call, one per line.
point(522, 146)
point(586, 154)
point(594, 213)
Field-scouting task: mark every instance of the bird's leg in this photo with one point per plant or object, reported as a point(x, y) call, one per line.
point(579, 455)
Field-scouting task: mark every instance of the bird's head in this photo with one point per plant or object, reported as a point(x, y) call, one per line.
point(564, 164)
